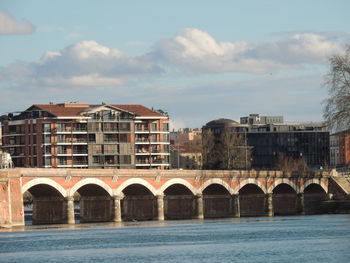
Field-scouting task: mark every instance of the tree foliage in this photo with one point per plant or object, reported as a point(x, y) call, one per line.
point(337, 106)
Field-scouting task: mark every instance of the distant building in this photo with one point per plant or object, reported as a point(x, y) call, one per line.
point(257, 119)
point(270, 138)
point(186, 150)
point(77, 135)
point(340, 149)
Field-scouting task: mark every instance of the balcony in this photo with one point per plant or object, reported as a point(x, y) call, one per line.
point(67, 131)
point(80, 163)
point(73, 141)
point(142, 130)
point(111, 141)
point(14, 133)
point(142, 140)
point(159, 131)
point(159, 141)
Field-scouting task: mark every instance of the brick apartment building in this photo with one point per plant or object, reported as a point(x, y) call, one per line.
point(77, 135)
point(340, 149)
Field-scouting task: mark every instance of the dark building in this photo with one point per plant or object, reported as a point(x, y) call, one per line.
point(268, 141)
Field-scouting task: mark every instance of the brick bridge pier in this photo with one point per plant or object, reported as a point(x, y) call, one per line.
point(118, 195)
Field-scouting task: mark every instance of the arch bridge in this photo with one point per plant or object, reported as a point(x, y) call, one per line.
point(97, 195)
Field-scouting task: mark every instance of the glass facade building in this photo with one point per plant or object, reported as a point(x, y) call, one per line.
point(267, 141)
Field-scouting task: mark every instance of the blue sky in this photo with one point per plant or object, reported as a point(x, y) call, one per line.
point(199, 60)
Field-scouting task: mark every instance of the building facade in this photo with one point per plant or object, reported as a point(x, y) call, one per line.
point(340, 149)
point(80, 135)
point(267, 141)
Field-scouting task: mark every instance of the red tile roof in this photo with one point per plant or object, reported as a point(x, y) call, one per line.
point(60, 110)
point(75, 109)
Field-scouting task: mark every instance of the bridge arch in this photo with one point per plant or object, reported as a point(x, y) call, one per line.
point(249, 181)
point(177, 181)
point(216, 181)
point(119, 190)
point(94, 181)
point(313, 181)
point(46, 181)
point(282, 181)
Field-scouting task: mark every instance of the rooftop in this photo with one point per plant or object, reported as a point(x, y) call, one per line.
point(77, 109)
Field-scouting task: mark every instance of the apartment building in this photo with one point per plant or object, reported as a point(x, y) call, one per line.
point(340, 149)
point(77, 135)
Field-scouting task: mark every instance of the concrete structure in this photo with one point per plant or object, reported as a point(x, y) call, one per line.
point(77, 135)
point(116, 195)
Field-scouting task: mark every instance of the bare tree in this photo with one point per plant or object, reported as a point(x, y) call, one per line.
point(208, 143)
point(225, 151)
point(337, 106)
point(290, 164)
point(232, 150)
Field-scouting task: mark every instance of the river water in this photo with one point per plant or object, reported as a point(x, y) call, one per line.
point(324, 238)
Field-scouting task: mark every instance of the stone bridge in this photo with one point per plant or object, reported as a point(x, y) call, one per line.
point(97, 195)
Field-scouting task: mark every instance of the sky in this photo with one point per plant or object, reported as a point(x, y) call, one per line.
point(197, 60)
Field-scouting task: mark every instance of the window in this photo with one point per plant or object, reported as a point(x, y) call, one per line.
point(61, 126)
point(154, 126)
point(47, 138)
point(47, 161)
point(47, 149)
point(123, 138)
point(96, 160)
point(124, 126)
point(61, 138)
point(61, 149)
point(62, 160)
point(166, 137)
point(46, 127)
point(92, 137)
point(125, 159)
point(96, 149)
point(165, 126)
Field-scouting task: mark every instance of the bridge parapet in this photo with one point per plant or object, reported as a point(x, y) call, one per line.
point(42, 172)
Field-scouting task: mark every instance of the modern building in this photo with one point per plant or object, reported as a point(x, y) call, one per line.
point(269, 139)
point(257, 119)
point(77, 135)
point(340, 149)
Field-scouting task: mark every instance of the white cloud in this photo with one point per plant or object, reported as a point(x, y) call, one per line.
point(193, 50)
point(84, 80)
point(9, 25)
point(85, 63)
point(89, 64)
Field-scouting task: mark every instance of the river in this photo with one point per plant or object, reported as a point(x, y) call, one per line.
point(319, 238)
